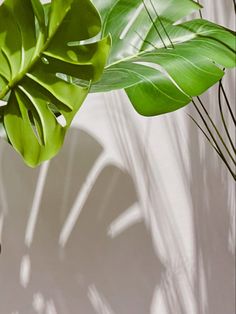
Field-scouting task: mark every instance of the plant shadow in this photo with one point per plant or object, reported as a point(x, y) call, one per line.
point(94, 271)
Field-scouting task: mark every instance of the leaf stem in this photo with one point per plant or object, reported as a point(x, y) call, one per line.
point(162, 25)
point(223, 118)
point(234, 3)
point(217, 147)
point(227, 103)
point(216, 130)
point(153, 23)
point(200, 11)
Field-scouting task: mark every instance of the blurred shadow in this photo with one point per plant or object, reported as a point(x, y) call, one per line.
point(210, 186)
point(123, 271)
point(154, 201)
point(211, 196)
point(209, 285)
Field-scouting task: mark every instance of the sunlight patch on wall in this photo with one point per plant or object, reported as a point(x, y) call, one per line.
point(25, 270)
point(36, 203)
point(127, 219)
point(81, 199)
point(98, 302)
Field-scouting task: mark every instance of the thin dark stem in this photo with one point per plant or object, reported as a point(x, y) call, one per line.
point(207, 137)
point(217, 131)
point(216, 146)
point(219, 151)
point(227, 103)
point(234, 3)
point(145, 41)
point(162, 25)
point(134, 47)
point(223, 119)
point(153, 23)
point(200, 11)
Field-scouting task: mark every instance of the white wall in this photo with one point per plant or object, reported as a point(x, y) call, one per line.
point(134, 216)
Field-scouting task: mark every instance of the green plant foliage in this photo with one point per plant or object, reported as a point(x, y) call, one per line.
point(52, 55)
point(159, 61)
point(39, 46)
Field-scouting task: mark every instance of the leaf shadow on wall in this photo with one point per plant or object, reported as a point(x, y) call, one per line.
point(212, 217)
point(94, 272)
point(209, 284)
point(209, 184)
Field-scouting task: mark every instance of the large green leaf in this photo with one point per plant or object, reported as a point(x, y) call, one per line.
point(40, 46)
point(161, 62)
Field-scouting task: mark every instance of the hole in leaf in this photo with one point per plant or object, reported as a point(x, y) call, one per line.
point(59, 117)
point(53, 108)
point(80, 82)
point(45, 60)
point(73, 80)
point(3, 103)
point(85, 41)
point(35, 126)
point(63, 77)
point(61, 120)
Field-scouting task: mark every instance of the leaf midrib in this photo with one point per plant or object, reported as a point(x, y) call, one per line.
point(37, 56)
point(132, 57)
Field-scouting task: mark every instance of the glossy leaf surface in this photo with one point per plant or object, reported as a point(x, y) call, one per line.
point(160, 62)
point(39, 46)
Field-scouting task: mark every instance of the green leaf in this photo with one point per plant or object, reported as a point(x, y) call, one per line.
point(40, 46)
point(159, 61)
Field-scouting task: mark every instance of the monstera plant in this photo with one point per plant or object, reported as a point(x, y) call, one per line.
point(52, 55)
point(40, 45)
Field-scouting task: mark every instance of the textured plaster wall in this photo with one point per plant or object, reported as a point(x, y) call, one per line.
point(134, 216)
